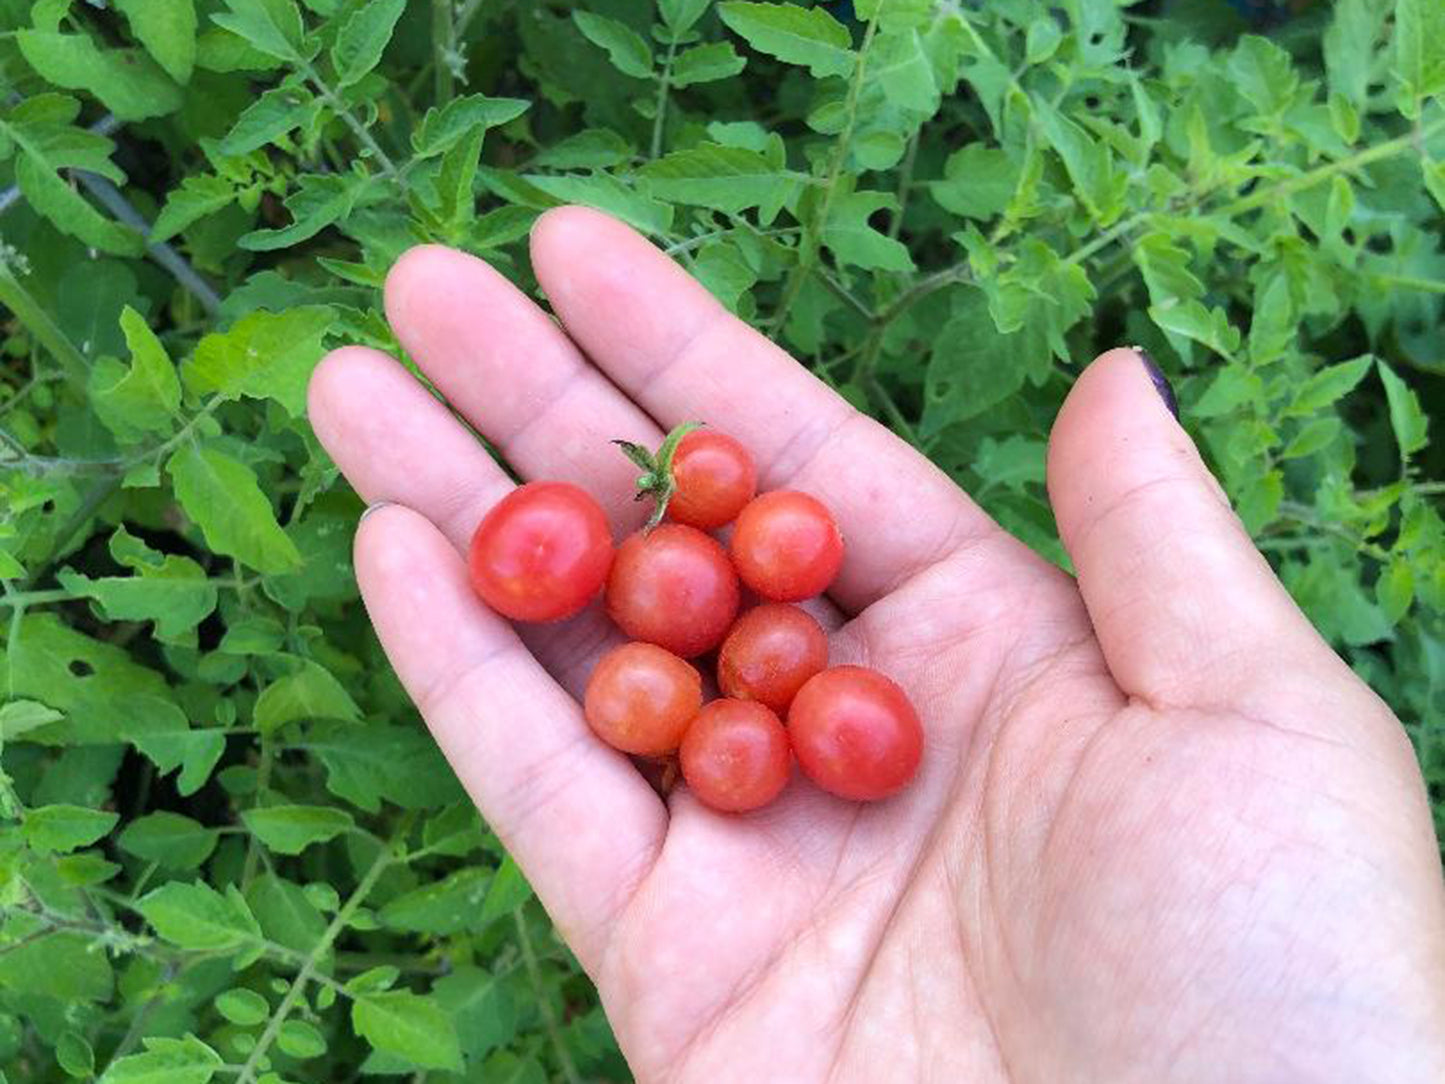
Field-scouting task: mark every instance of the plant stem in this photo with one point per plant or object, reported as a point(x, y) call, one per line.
point(38, 322)
point(905, 186)
point(443, 44)
point(659, 113)
point(362, 133)
point(544, 1003)
point(308, 969)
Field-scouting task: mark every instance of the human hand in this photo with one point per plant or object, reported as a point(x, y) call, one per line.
point(1160, 832)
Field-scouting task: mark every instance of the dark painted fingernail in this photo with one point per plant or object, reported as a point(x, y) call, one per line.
point(370, 508)
point(1160, 381)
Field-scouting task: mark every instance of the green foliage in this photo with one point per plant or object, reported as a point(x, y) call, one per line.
point(228, 848)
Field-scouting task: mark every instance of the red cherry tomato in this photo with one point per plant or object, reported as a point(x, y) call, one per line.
point(786, 546)
point(769, 653)
point(715, 477)
point(675, 587)
point(541, 553)
point(855, 733)
point(640, 699)
point(735, 756)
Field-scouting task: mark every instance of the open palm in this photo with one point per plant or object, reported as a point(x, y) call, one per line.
point(1160, 831)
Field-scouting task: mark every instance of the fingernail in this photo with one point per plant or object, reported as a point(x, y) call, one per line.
point(370, 508)
point(1160, 381)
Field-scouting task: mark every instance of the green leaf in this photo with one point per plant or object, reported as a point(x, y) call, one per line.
point(49, 195)
point(272, 26)
point(177, 596)
point(971, 368)
point(1419, 50)
point(899, 64)
point(170, 839)
point(1406, 418)
point(74, 1055)
point(300, 1040)
point(66, 827)
point(978, 182)
point(290, 829)
point(441, 128)
point(63, 965)
point(706, 64)
point(710, 175)
point(166, 1061)
point(1208, 326)
point(398, 764)
point(680, 16)
point(482, 1006)
point(628, 52)
point(1349, 47)
point(808, 37)
point(363, 38)
point(140, 399)
point(18, 717)
point(168, 32)
point(416, 1028)
point(509, 891)
point(1166, 269)
point(197, 197)
point(607, 193)
point(1315, 434)
point(1395, 589)
point(591, 148)
point(1101, 187)
point(1275, 324)
point(196, 916)
point(853, 241)
point(244, 1007)
point(310, 693)
point(276, 112)
point(1261, 71)
point(125, 81)
point(263, 355)
point(1329, 385)
point(317, 201)
point(223, 497)
point(194, 752)
point(447, 906)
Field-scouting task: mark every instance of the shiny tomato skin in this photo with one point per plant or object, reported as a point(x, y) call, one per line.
point(715, 477)
point(769, 653)
point(735, 756)
point(640, 699)
point(855, 733)
point(675, 587)
point(541, 553)
point(786, 546)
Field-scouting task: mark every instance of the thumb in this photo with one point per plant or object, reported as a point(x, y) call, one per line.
point(1186, 609)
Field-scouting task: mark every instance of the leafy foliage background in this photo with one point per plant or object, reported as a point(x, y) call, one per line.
point(229, 849)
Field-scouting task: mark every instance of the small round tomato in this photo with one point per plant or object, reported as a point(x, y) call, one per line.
point(640, 699)
point(715, 477)
point(735, 756)
point(855, 733)
point(675, 587)
point(769, 653)
point(541, 553)
point(786, 546)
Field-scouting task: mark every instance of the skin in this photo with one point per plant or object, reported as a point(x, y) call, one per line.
point(1160, 831)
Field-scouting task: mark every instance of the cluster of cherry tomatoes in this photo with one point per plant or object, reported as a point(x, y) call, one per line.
point(545, 550)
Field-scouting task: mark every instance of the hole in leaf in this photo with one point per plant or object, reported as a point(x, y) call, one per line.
point(1092, 101)
point(81, 668)
point(1096, 38)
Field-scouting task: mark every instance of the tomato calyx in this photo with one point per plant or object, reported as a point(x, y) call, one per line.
point(656, 481)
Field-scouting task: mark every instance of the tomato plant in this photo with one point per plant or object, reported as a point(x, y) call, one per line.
point(735, 756)
point(541, 553)
point(640, 699)
point(673, 586)
point(786, 546)
point(855, 733)
point(769, 653)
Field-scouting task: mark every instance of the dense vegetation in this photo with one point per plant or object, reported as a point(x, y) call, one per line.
point(229, 848)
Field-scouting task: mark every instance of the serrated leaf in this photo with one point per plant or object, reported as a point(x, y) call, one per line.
point(414, 1027)
point(193, 200)
point(140, 399)
point(441, 128)
point(66, 827)
point(591, 148)
point(1419, 50)
point(19, 717)
point(169, 839)
point(263, 355)
point(363, 38)
point(1166, 269)
point(177, 596)
point(244, 1007)
point(68, 211)
point(194, 752)
point(680, 16)
point(978, 181)
point(896, 14)
point(1262, 72)
point(1329, 385)
point(1407, 419)
point(1315, 434)
point(808, 37)
point(625, 48)
point(167, 30)
point(607, 193)
point(196, 916)
point(1100, 186)
point(290, 829)
point(309, 693)
point(711, 175)
point(899, 64)
point(166, 1061)
point(1349, 47)
point(1208, 326)
point(125, 81)
point(706, 64)
point(1274, 325)
point(317, 201)
point(272, 26)
point(275, 113)
point(63, 965)
point(223, 497)
point(394, 763)
point(442, 907)
point(848, 235)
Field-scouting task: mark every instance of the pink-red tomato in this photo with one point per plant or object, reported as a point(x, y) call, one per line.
point(715, 477)
point(786, 546)
point(855, 733)
point(675, 587)
point(640, 699)
point(735, 756)
point(541, 553)
point(769, 653)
